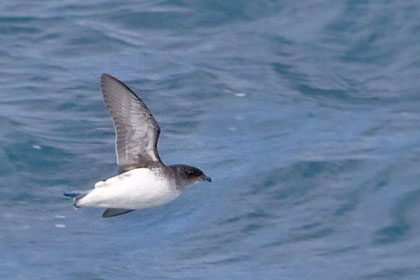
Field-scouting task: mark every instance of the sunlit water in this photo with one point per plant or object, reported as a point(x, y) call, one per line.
point(304, 113)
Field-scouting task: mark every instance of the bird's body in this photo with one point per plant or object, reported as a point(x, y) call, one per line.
point(135, 189)
point(144, 181)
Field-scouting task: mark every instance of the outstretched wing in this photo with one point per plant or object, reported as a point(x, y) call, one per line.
point(136, 130)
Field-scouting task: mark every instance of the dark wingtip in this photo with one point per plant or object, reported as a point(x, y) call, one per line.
point(108, 80)
point(105, 77)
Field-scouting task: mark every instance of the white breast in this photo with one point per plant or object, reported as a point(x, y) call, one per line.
point(135, 189)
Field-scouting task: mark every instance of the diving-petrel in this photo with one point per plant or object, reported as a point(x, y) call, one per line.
point(144, 181)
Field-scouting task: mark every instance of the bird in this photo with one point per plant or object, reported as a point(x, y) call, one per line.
point(144, 181)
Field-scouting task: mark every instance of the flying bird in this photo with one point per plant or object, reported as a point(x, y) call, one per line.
point(144, 181)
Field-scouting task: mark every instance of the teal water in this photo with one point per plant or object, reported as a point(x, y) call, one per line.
point(304, 113)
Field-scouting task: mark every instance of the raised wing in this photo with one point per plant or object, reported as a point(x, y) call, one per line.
point(136, 130)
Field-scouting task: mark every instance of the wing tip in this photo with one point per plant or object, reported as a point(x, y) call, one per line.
point(105, 77)
point(110, 82)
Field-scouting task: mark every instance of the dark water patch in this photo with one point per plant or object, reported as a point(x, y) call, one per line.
point(152, 20)
point(12, 30)
point(398, 273)
point(401, 216)
point(289, 73)
point(17, 19)
point(336, 94)
point(339, 251)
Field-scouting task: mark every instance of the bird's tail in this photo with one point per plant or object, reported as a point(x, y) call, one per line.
point(76, 195)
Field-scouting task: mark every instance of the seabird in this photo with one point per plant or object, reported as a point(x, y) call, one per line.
point(144, 181)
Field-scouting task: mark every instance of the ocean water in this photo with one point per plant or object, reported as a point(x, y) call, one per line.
point(306, 114)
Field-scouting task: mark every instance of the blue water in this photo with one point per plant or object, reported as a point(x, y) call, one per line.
point(304, 113)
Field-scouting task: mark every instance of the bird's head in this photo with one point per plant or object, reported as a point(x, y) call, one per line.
point(191, 174)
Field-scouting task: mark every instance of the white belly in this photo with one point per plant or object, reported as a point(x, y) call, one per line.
point(135, 189)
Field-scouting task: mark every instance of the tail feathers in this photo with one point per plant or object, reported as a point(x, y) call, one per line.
point(76, 195)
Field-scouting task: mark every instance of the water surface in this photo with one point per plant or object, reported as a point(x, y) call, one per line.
point(305, 114)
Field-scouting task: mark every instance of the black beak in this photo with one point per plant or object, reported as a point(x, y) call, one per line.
point(205, 178)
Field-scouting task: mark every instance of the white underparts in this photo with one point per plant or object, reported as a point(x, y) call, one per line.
point(136, 189)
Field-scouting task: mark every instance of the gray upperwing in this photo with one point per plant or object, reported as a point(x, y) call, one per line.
point(136, 130)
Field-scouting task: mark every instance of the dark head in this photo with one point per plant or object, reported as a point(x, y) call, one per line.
point(190, 174)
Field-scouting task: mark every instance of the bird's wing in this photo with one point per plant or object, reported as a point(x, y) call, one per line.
point(136, 130)
point(112, 212)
